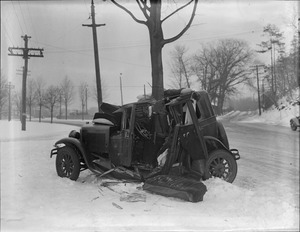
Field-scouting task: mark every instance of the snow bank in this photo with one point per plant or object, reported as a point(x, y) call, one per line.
point(281, 116)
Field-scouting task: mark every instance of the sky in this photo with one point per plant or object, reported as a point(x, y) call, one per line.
point(56, 26)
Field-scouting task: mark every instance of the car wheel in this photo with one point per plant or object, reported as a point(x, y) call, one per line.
point(221, 163)
point(67, 163)
point(293, 126)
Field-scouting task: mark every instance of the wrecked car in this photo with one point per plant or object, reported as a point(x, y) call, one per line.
point(178, 135)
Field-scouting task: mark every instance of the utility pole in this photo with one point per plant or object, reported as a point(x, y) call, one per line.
point(121, 88)
point(86, 100)
point(9, 86)
point(26, 54)
point(60, 101)
point(258, 91)
point(97, 66)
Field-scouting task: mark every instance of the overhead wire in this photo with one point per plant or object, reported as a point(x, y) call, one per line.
point(66, 50)
point(24, 21)
point(7, 35)
point(17, 16)
point(70, 30)
point(31, 21)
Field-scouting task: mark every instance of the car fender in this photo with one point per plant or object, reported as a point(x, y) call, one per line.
point(210, 140)
point(217, 144)
point(69, 141)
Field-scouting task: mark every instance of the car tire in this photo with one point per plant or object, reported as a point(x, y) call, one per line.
point(293, 126)
point(221, 164)
point(67, 163)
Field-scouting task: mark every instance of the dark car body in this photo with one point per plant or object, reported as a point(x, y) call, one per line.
point(128, 139)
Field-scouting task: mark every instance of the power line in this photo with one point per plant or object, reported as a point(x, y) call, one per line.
point(23, 17)
point(222, 35)
point(133, 43)
point(70, 30)
point(65, 50)
point(30, 18)
point(7, 35)
point(17, 16)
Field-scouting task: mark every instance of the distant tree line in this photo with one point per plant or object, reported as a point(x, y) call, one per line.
point(220, 66)
point(217, 66)
point(46, 100)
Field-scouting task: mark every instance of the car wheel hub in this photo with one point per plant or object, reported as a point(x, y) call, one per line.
point(219, 168)
point(67, 165)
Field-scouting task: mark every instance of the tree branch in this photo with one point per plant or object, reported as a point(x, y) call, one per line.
point(129, 12)
point(174, 12)
point(170, 40)
point(143, 7)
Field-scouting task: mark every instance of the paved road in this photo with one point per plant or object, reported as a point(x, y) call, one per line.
point(269, 154)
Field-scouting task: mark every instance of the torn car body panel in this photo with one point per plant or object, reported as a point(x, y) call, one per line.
point(128, 139)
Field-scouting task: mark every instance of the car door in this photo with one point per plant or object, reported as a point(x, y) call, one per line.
point(121, 144)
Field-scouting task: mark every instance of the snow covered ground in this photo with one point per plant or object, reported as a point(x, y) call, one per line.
point(34, 198)
point(286, 110)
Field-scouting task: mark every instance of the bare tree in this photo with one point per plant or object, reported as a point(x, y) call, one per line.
point(152, 12)
point(51, 98)
point(205, 72)
point(180, 68)
point(67, 89)
point(93, 90)
point(83, 95)
point(225, 63)
point(40, 95)
point(273, 44)
point(17, 99)
point(3, 92)
point(31, 97)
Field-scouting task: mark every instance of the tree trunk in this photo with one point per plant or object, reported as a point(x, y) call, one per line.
point(40, 113)
point(157, 70)
point(66, 111)
point(82, 113)
point(51, 114)
point(156, 38)
point(30, 112)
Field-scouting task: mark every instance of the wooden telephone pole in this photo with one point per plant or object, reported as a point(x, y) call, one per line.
point(258, 91)
point(26, 54)
point(96, 55)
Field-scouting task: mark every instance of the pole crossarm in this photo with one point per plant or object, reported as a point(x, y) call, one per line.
point(9, 86)
point(259, 65)
point(93, 25)
point(25, 51)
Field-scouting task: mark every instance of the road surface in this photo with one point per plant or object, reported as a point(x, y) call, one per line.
point(269, 154)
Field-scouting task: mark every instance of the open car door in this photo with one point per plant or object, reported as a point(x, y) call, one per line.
point(121, 143)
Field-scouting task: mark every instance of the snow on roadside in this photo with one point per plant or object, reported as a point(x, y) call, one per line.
point(34, 198)
point(274, 116)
